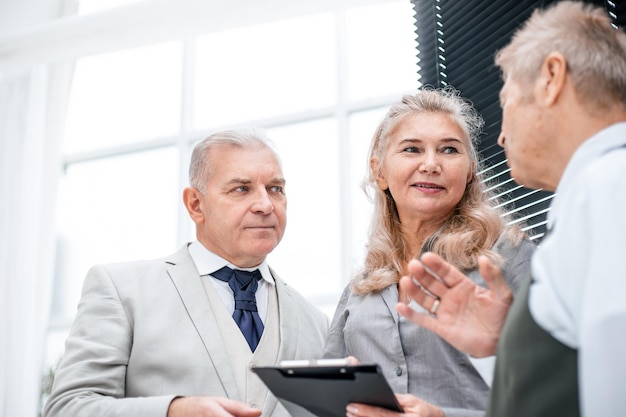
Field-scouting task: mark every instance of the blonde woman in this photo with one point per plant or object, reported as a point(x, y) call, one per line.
point(428, 196)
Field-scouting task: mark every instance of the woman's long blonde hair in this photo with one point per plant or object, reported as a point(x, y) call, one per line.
point(470, 231)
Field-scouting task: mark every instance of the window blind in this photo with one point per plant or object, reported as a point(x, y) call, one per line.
point(457, 42)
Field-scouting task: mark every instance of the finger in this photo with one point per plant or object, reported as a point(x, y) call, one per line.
point(425, 280)
point(441, 270)
point(352, 360)
point(237, 408)
point(411, 288)
point(421, 319)
point(406, 400)
point(426, 299)
point(494, 279)
point(364, 410)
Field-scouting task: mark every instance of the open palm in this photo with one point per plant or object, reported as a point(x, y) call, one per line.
point(468, 316)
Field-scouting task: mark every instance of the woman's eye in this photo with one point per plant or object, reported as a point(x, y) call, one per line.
point(450, 149)
point(412, 149)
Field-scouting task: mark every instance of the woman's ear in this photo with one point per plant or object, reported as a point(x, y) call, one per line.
point(192, 200)
point(470, 174)
point(377, 173)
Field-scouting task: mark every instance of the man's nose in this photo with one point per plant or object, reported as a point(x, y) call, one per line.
point(262, 202)
point(501, 139)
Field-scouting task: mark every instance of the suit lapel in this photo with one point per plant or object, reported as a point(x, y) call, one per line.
point(288, 326)
point(288, 322)
point(186, 279)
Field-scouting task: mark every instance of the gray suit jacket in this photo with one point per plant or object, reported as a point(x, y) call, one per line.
point(145, 332)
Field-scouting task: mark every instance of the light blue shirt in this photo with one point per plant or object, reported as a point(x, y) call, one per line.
point(579, 294)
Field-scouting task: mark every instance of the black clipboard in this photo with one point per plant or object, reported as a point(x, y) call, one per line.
point(326, 390)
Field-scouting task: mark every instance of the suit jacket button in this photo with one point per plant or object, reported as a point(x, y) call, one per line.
point(398, 371)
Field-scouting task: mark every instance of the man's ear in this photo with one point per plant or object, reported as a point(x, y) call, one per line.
point(377, 172)
point(191, 200)
point(553, 76)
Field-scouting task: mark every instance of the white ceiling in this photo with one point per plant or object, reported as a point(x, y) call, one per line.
point(30, 34)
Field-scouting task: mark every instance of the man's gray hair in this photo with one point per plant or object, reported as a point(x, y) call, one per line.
point(248, 137)
point(595, 51)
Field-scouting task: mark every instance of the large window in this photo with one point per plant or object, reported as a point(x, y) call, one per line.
point(317, 82)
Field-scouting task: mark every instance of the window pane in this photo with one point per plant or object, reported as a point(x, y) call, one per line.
point(308, 257)
point(115, 209)
point(381, 50)
point(362, 127)
point(265, 70)
point(123, 97)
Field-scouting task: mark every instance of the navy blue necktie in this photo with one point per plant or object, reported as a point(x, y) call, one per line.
point(244, 285)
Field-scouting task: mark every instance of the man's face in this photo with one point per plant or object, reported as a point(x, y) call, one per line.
point(523, 137)
point(243, 210)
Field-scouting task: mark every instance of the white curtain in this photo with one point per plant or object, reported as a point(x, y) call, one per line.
point(32, 106)
point(33, 99)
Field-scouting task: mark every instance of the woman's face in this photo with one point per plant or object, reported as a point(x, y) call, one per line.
point(426, 167)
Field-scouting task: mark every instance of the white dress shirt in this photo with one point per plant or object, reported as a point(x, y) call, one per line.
point(579, 294)
point(207, 262)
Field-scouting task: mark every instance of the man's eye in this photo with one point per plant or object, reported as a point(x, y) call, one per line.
point(241, 189)
point(277, 189)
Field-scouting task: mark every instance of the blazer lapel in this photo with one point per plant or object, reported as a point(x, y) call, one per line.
point(390, 297)
point(288, 326)
point(288, 322)
point(187, 281)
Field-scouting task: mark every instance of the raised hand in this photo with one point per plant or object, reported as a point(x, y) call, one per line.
point(466, 315)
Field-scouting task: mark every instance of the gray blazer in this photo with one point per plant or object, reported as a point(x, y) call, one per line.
point(145, 332)
point(413, 359)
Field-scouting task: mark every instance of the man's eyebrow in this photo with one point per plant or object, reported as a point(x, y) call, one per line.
point(239, 181)
point(246, 181)
point(278, 180)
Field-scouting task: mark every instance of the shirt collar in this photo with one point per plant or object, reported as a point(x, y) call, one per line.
point(602, 142)
point(207, 262)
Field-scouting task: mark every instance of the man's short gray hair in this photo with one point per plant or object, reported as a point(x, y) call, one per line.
point(248, 137)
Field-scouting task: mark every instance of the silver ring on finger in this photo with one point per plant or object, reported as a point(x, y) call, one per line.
point(435, 306)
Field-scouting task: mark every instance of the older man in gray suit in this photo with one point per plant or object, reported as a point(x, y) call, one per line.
point(177, 336)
